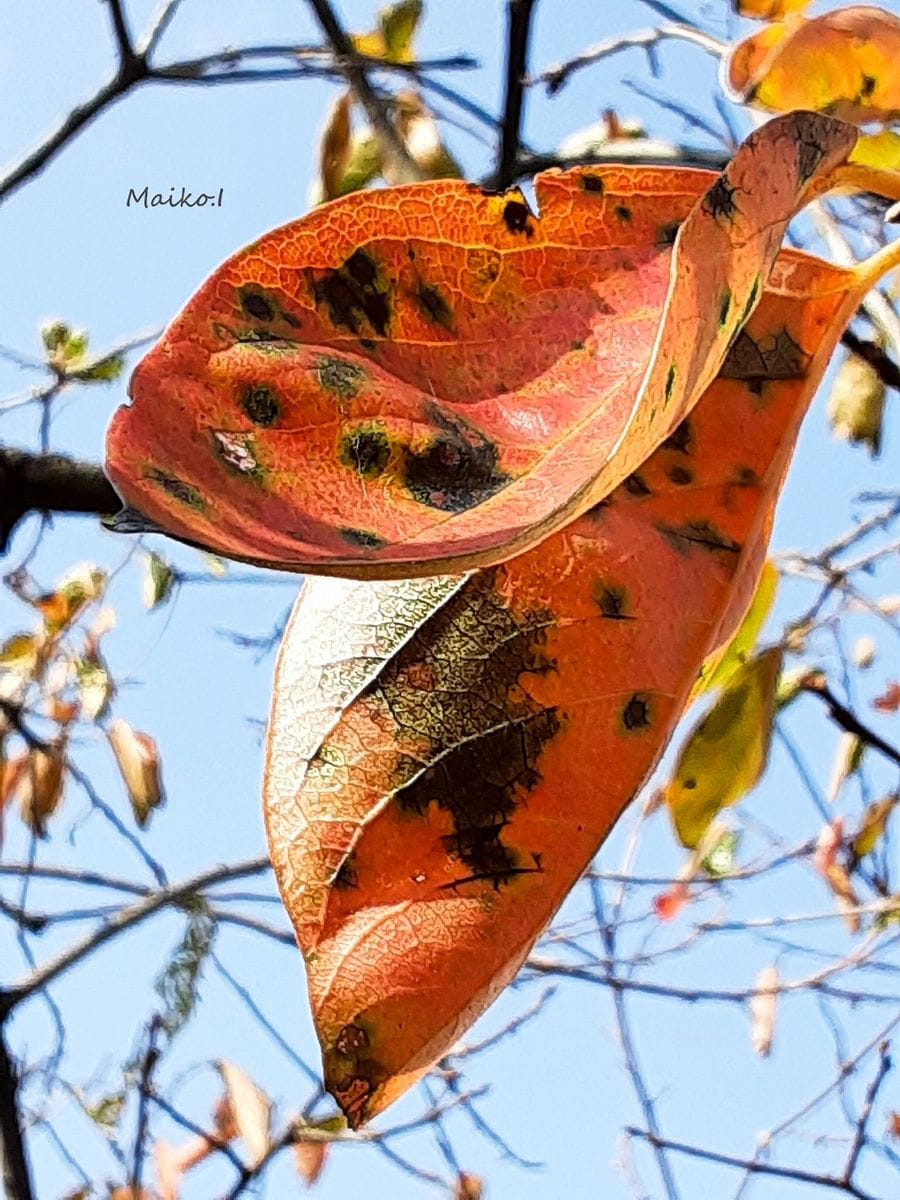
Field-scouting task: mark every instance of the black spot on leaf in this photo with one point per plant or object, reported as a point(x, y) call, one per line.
point(636, 713)
point(483, 732)
point(364, 539)
point(724, 309)
point(261, 405)
point(668, 233)
point(719, 200)
point(680, 438)
point(634, 485)
point(457, 470)
point(776, 356)
point(517, 217)
point(356, 294)
point(613, 602)
point(339, 375)
point(701, 535)
point(185, 492)
point(670, 382)
point(366, 451)
point(432, 304)
point(257, 305)
point(593, 183)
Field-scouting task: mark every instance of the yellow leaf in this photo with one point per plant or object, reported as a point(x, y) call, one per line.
point(872, 827)
point(138, 761)
point(20, 655)
point(839, 881)
point(251, 1108)
point(856, 404)
point(881, 150)
point(726, 752)
point(720, 667)
point(371, 45)
point(763, 1006)
point(398, 24)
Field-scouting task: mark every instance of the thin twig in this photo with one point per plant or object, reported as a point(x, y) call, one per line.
point(816, 685)
point(752, 1166)
point(558, 76)
point(126, 918)
point(145, 1090)
point(859, 1136)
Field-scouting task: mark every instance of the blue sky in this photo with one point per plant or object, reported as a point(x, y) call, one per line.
point(73, 250)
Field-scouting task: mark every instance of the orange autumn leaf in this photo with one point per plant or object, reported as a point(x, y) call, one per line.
point(843, 63)
point(889, 700)
point(768, 10)
point(432, 377)
point(446, 755)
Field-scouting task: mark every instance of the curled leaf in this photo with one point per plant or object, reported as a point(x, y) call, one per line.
point(138, 761)
point(445, 755)
point(433, 377)
point(40, 785)
point(826, 861)
point(335, 148)
point(250, 1108)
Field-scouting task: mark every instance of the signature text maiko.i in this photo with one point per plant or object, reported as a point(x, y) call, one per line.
point(175, 199)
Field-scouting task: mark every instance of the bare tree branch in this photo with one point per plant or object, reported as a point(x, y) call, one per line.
point(49, 483)
point(557, 76)
point(126, 918)
point(753, 1166)
point(519, 15)
point(13, 1159)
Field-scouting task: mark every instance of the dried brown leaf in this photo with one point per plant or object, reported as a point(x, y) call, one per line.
point(763, 1005)
point(252, 1110)
point(309, 1159)
point(138, 760)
